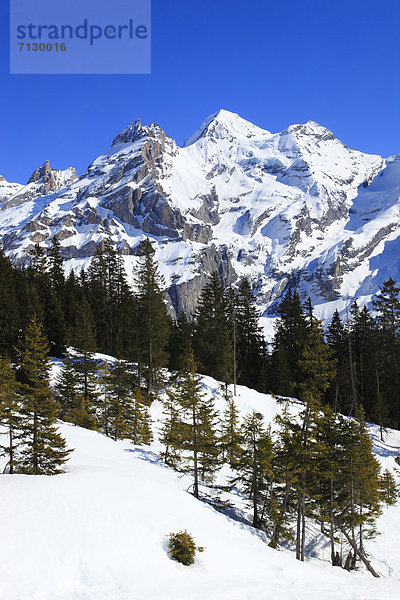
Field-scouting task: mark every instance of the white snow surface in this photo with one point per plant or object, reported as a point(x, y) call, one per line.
point(99, 532)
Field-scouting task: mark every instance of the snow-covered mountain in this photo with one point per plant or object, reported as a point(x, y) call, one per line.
point(99, 531)
point(296, 208)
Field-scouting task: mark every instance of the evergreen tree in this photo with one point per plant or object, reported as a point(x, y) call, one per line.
point(152, 323)
point(104, 396)
point(338, 391)
point(289, 340)
point(361, 482)
point(255, 466)
point(44, 450)
point(212, 340)
point(388, 488)
point(180, 343)
point(10, 317)
point(139, 421)
point(387, 307)
point(38, 264)
point(171, 432)
point(84, 362)
point(195, 435)
point(231, 437)
point(56, 270)
point(120, 400)
point(249, 339)
point(10, 411)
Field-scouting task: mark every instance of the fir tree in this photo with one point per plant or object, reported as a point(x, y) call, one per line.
point(44, 450)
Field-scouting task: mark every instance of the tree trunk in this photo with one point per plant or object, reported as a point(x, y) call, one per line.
point(360, 554)
point(195, 466)
point(303, 528)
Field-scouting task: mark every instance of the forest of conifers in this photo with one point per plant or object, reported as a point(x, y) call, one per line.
point(99, 311)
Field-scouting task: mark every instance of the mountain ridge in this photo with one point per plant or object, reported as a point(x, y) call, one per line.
point(295, 208)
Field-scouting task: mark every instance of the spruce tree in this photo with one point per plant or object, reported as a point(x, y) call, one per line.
point(231, 437)
point(44, 449)
point(388, 488)
point(56, 270)
point(152, 325)
point(195, 435)
point(387, 307)
point(120, 400)
point(212, 339)
point(10, 317)
point(138, 420)
point(289, 340)
point(10, 412)
point(255, 466)
point(180, 343)
point(171, 431)
point(249, 338)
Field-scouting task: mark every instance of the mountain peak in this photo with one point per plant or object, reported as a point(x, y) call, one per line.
point(311, 128)
point(224, 120)
point(128, 134)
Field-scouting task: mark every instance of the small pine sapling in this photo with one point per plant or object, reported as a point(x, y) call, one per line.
point(182, 547)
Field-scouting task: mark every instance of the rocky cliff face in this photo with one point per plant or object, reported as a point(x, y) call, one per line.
point(296, 208)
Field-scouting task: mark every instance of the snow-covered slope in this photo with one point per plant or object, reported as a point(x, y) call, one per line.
point(296, 208)
point(99, 532)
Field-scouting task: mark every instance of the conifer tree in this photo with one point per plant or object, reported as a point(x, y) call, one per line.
point(289, 340)
point(152, 322)
point(56, 270)
point(249, 339)
point(10, 412)
point(120, 400)
point(39, 264)
point(171, 432)
point(212, 339)
point(44, 450)
point(388, 488)
point(104, 396)
point(387, 307)
point(84, 362)
point(180, 343)
point(195, 435)
point(255, 465)
point(337, 341)
point(231, 437)
point(361, 481)
point(10, 318)
point(139, 421)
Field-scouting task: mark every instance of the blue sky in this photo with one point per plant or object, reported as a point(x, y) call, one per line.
point(274, 63)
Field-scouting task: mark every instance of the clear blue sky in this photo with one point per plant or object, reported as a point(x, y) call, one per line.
point(274, 62)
